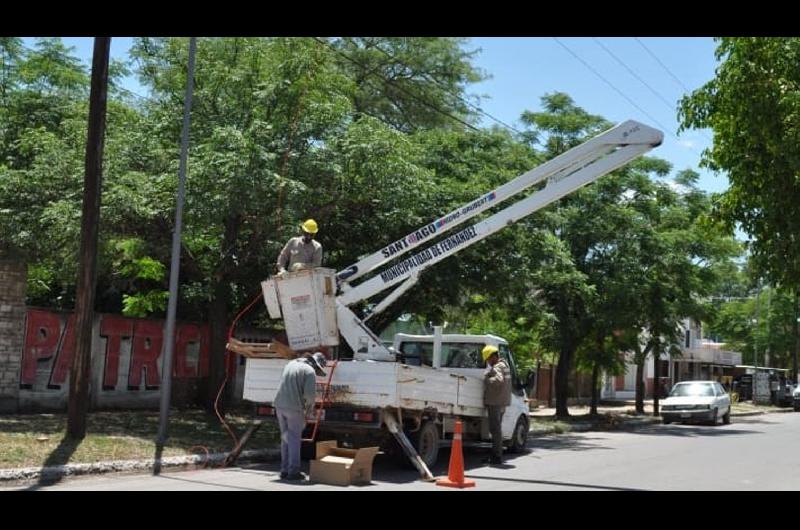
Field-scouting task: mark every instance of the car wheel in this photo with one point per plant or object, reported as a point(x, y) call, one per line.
point(426, 442)
point(519, 438)
point(714, 417)
point(726, 418)
point(665, 421)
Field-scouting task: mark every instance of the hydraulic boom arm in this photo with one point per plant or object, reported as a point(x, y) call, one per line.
point(565, 173)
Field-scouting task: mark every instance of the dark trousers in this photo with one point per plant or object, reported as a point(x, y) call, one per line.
point(496, 429)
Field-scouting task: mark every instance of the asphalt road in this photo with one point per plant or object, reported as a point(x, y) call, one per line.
point(752, 453)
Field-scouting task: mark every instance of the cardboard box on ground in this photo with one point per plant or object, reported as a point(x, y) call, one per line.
point(340, 466)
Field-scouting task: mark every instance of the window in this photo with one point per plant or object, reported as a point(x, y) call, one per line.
point(461, 355)
point(688, 338)
point(454, 354)
point(417, 353)
point(693, 389)
point(505, 353)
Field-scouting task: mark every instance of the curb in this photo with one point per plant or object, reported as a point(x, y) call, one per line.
point(631, 424)
point(69, 470)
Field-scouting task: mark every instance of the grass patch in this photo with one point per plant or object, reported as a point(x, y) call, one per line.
point(583, 422)
point(749, 407)
point(35, 440)
point(549, 425)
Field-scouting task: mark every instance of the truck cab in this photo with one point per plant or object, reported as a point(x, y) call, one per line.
point(461, 354)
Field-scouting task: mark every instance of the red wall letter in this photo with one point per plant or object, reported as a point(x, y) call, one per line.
point(42, 330)
point(114, 328)
point(147, 339)
point(66, 348)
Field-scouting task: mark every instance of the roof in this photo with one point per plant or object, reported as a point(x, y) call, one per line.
point(487, 339)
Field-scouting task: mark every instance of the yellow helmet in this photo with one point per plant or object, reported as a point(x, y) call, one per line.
point(310, 226)
point(487, 351)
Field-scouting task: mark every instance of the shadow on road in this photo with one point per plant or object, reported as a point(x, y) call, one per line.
point(566, 442)
point(552, 483)
point(684, 430)
point(59, 457)
point(172, 476)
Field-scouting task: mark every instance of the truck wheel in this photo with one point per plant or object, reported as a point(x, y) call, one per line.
point(519, 438)
point(426, 442)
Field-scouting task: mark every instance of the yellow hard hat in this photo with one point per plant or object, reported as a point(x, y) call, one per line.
point(310, 226)
point(487, 351)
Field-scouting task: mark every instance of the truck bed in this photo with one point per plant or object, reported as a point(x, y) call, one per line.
point(379, 384)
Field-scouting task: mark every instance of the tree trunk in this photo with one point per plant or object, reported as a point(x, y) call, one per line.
point(640, 385)
point(562, 380)
point(595, 388)
point(656, 378)
point(218, 319)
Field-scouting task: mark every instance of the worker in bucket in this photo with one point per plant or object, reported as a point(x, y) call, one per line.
point(301, 252)
point(496, 397)
point(294, 401)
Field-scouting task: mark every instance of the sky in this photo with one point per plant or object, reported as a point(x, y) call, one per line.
point(619, 78)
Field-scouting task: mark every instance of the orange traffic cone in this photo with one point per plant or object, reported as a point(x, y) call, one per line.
point(455, 474)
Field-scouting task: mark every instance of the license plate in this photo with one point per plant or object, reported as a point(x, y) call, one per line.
point(685, 415)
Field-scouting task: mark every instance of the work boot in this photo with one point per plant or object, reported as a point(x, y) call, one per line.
point(296, 476)
point(284, 474)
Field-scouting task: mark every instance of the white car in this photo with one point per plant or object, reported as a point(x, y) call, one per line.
point(697, 401)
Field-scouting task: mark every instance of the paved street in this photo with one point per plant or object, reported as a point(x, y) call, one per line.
point(753, 453)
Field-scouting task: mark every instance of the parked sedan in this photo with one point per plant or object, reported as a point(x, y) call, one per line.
point(697, 401)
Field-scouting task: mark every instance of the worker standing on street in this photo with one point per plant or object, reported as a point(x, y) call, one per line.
point(301, 252)
point(496, 397)
point(294, 401)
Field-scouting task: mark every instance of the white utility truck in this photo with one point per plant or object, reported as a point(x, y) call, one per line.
point(402, 391)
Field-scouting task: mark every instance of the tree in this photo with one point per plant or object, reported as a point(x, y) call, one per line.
point(410, 83)
point(753, 107)
point(277, 137)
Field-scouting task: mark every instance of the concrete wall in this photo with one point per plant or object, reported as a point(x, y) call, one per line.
point(13, 278)
point(126, 361)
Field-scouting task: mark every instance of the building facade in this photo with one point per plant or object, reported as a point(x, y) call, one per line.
point(700, 359)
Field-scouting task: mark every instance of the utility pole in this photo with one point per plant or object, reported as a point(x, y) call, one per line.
point(755, 344)
point(174, 271)
point(769, 311)
point(80, 370)
point(796, 335)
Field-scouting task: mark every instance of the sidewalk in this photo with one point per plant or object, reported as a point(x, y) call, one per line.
point(628, 407)
point(619, 415)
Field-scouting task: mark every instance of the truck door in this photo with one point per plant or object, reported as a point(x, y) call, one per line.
point(518, 405)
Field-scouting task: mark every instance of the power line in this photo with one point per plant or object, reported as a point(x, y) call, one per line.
point(446, 89)
point(666, 69)
point(634, 74)
point(609, 83)
point(399, 87)
point(664, 66)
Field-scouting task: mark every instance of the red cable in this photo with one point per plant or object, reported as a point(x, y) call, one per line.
point(230, 366)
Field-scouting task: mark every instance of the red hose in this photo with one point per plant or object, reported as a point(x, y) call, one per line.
point(230, 368)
